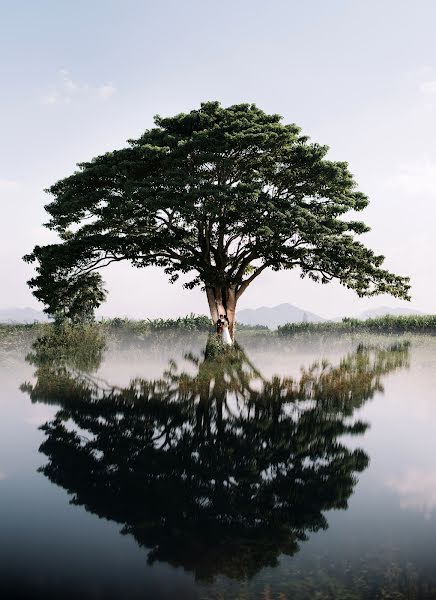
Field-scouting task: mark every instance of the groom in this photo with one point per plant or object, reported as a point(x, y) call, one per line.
point(220, 324)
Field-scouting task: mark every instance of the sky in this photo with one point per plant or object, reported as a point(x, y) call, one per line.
point(80, 78)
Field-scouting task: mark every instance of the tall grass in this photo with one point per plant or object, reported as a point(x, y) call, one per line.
point(191, 322)
point(17, 337)
point(386, 324)
point(81, 346)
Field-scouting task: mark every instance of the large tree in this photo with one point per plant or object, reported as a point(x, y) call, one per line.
point(219, 193)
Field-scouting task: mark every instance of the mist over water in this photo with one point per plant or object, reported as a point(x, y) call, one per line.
point(157, 467)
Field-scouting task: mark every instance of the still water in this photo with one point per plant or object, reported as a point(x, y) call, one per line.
point(153, 467)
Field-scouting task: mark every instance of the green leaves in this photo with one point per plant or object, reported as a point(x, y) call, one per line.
point(68, 292)
point(219, 193)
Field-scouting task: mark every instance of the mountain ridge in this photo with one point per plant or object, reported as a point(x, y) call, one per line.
point(273, 316)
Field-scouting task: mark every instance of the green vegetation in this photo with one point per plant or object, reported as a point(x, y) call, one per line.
point(12, 335)
point(81, 346)
point(217, 194)
point(191, 322)
point(53, 337)
point(386, 324)
point(16, 338)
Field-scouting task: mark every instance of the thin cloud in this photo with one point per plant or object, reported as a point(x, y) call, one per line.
point(3, 476)
point(69, 90)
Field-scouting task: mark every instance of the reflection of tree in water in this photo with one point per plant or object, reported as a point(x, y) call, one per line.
point(219, 472)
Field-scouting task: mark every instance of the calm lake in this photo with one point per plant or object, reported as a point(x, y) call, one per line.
point(156, 468)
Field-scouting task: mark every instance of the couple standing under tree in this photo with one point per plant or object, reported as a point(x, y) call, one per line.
point(222, 330)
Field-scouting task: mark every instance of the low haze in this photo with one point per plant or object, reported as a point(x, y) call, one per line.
point(79, 78)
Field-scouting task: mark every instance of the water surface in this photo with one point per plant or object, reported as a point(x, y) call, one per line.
point(157, 468)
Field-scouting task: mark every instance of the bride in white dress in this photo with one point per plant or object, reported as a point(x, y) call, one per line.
point(225, 334)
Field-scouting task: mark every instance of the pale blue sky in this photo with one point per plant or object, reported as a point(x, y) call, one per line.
point(79, 78)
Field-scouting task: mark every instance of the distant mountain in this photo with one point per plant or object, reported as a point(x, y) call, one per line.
point(22, 315)
point(381, 311)
point(273, 316)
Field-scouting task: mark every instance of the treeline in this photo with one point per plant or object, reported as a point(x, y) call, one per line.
point(385, 324)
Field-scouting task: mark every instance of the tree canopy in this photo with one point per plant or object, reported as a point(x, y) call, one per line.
point(218, 193)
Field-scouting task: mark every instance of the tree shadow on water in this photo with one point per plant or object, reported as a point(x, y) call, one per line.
point(221, 471)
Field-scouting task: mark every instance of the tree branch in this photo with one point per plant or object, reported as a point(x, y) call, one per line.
point(244, 285)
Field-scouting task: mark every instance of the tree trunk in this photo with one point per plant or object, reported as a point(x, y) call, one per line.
point(212, 304)
point(231, 311)
point(222, 301)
